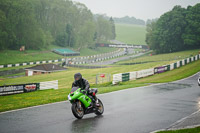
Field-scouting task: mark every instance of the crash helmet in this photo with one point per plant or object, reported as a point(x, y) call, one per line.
point(77, 76)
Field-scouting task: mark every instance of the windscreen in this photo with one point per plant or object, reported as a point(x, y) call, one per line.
point(74, 89)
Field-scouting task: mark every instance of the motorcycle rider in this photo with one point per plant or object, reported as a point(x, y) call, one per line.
point(84, 85)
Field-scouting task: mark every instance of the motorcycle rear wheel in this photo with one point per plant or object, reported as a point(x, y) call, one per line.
point(100, 108)
point(78, 113)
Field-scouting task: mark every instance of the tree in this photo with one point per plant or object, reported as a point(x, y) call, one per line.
point(112, 23)
point(173, 30)
point(38, 23)
point(191, 35)
point(104, 29)
point(70, 38)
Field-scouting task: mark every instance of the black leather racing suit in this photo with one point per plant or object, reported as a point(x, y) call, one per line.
point(82, 83)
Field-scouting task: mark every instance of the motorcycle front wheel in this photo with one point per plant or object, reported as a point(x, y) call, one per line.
point(77, 110)
point(100, 109)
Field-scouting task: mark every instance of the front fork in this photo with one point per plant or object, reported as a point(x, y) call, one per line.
point(79, 105)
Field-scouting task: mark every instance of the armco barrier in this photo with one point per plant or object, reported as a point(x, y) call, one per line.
point(148, 72)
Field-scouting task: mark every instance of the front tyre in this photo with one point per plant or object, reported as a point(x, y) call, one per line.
point(100, 109)
point(77, 110)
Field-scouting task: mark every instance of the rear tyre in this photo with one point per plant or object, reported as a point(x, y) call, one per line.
point(77, 111)
point(100, 109)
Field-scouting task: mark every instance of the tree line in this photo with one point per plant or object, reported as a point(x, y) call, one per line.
point(129, 20)
point(176, 30)
point(37, 24)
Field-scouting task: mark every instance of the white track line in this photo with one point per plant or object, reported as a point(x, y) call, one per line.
point(198, 73)
point(177, 122)
point(182, 120)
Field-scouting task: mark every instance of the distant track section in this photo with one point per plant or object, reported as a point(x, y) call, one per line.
point(122, 46)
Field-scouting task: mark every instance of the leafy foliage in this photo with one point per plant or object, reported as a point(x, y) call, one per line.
point(38, 23)
point(129, 20)
point(175, 30)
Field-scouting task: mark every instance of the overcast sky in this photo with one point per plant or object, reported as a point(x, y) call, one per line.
point(143, 9)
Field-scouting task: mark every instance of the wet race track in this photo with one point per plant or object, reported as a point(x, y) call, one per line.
point(137, 110)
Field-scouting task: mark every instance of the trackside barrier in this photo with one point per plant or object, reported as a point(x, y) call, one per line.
point(148, 72)
point(125, 76)
point(49, 85)
point(78, 59)
point(18, 88)
point(117, 78)
point(133, 75)
point(29, 87)
point(145, 73)
point(160, 69)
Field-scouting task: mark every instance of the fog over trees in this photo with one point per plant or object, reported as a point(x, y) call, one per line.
point(37, 24)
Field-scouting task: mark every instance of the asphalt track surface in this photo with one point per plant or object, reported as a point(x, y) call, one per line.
point(136, 110)
point(112, 61)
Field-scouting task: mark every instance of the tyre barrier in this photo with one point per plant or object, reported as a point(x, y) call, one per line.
point(122, 77)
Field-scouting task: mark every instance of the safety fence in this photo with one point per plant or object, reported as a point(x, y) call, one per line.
point(27, 87)
point(103, 78)
point(121, 77)
point(75, 60)
point(86, 66)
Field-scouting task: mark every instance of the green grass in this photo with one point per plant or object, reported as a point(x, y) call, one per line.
point(11, 75)
point(192, 130)
point(14, 56)
point(49, 96)
point(65, 78)
point(131, 34)
point(18, 67)
point(169, 58)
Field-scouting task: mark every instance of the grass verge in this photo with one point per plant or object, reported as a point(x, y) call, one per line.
point(163, 57)
point(192, 130)
point(14, 56)
point(49, 96)
point(131, 34)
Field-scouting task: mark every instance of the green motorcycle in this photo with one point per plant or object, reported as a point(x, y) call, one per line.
point(82, 104)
